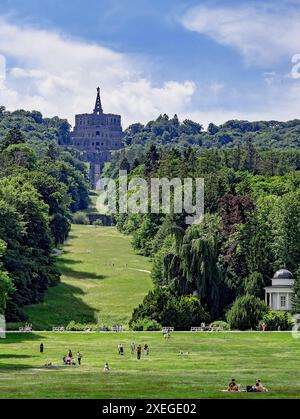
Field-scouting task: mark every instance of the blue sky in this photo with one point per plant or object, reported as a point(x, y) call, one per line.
point(206, 60)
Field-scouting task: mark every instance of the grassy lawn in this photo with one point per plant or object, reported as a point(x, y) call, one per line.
point(214, 358)
point(103, 280)
point(91, 288)
point(92, 209)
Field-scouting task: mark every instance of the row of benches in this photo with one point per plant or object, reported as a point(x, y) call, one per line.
point(25, 329)
point(116, 329)
point(58, 329)
point(120, 329)
point(112, 329)
point(201, 328)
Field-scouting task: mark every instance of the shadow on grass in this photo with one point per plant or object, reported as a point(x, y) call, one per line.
point(9, 356)
point(81, 275)
point(62, 261)
point(13, 338)
point(65, 269)
point(62, 305)
point(12, 367)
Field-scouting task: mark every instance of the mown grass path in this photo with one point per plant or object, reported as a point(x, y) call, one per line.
point(102, 280)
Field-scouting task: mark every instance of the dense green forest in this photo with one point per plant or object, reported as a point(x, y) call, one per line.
point(216, 270)
point(37, 131)
point(213, 271)
point(41, 184)
point(264, 134)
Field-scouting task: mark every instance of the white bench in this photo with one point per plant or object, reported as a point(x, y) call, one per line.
point(25, 329)
point(58, 329)
point(167, 329)
point(117, 329)
point(197, 329)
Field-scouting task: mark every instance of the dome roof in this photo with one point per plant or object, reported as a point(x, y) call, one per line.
point(283, 274)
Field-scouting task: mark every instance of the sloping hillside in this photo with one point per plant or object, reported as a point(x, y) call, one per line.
point(102, 280)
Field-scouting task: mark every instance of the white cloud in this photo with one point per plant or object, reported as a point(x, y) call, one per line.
point(280, 101)
point(262, 32)
point(58, 76)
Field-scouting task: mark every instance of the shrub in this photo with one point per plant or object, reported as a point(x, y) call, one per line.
point(278, 320)
point(146, 324)
point(75, 327)
point(98, 223)
point(81, 218)
point(246, 312)
point(167, 309)
point(80, 327)
point(191, 313)
point(220, 325)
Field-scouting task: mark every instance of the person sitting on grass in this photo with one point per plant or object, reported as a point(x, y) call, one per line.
point(259, 387)
point(67, 360)
point(106, 367)
point(233, 386)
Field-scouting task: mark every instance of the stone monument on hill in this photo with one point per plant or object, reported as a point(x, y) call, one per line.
point(96, 135)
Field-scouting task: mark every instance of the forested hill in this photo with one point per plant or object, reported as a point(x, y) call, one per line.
point(218, 269)
point(162, 131)
point(34, 127)
point(264, 134)
point(41, 185)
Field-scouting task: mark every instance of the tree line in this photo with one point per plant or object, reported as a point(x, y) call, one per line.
point(251, 226)
point(41, 185)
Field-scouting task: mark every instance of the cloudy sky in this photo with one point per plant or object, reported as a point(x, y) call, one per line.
point(205, 60)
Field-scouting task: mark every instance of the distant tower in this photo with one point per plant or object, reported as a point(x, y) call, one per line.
point(95, 136)
point(98, 107)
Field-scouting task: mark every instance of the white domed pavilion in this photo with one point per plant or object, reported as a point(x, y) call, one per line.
point(279, 295)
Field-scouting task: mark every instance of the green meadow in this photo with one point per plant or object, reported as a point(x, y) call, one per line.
point(212, 360)
point(102, 281)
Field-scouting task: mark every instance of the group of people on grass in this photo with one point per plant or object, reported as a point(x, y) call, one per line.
point(133, 349)
point(69, 360)
point(232, 386)
point(258, 387)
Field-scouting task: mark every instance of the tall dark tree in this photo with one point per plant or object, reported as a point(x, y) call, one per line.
point(151, 161)
point(14, 136)
point(234, 210)
point(296, 294)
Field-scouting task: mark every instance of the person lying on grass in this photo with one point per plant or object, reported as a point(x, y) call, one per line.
point(259, 388)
